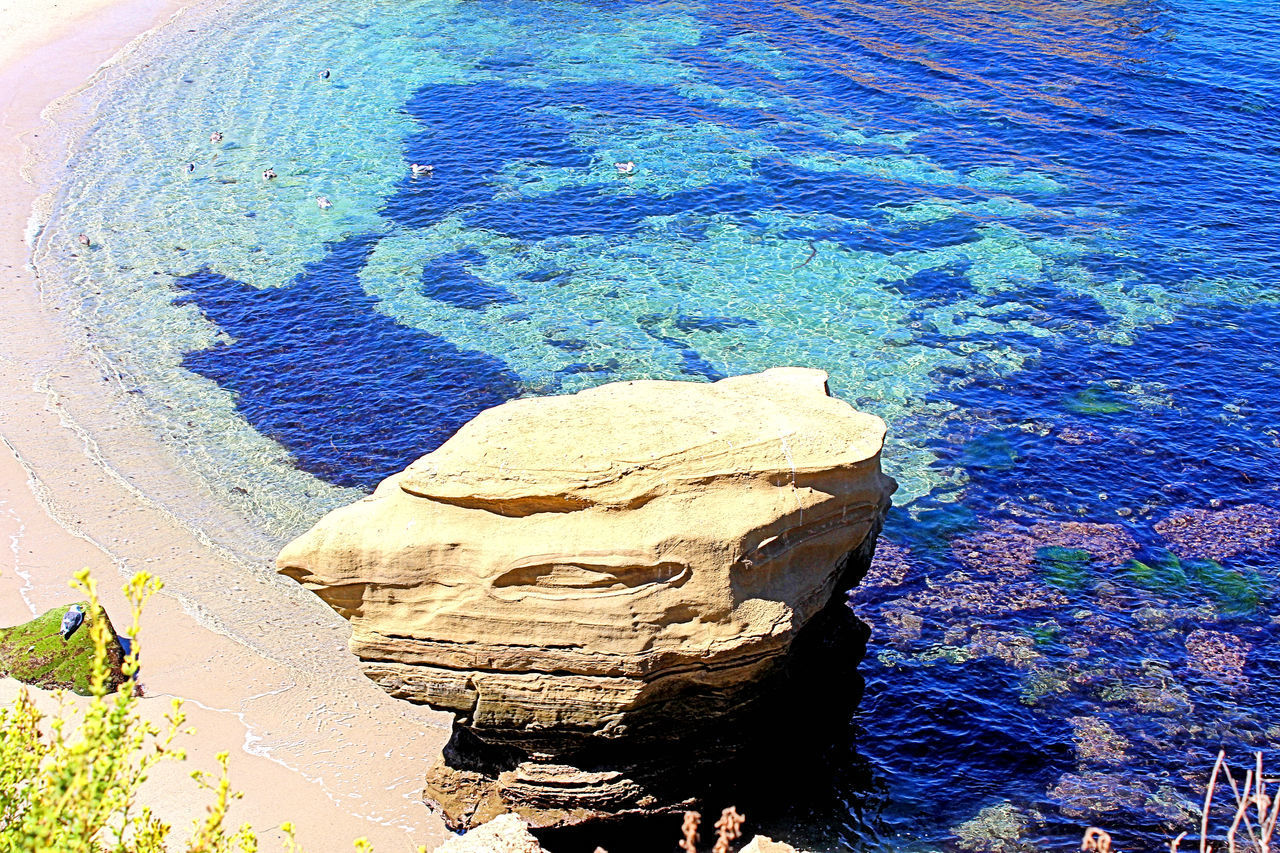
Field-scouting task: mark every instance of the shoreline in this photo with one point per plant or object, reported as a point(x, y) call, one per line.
point(261, 663)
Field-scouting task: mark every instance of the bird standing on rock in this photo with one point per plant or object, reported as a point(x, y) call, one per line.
point(71, 620)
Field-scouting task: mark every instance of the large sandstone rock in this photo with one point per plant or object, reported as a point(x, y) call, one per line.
point(623, 565)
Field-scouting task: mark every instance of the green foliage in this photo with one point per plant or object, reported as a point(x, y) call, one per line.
point(1065, 568)
point(71, 787)
point(69, 782)
point(35, 652)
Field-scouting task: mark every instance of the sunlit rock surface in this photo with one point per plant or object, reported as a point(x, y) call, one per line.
point(506, 833)
point(622, 566)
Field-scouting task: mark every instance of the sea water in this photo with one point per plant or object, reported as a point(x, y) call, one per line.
point(1037, 238)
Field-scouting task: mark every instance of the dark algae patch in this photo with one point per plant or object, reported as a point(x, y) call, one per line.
point(35, 653)
point(1064, 568)
point(1234, 591)
point(1165, 573)
point(1096, 400)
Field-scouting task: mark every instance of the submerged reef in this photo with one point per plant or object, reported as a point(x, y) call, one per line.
point(1131, 651)
point(1222, 533)
point(609, 588)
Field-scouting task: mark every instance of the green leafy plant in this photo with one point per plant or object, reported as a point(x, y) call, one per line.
point(1235, 592)
point(69, 781)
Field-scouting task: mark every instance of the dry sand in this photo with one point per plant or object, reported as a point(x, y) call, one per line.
point(261, 664)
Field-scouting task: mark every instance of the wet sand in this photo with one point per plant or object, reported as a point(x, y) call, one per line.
point(260, 663)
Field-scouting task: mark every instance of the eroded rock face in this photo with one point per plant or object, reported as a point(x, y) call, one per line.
point(620, 566)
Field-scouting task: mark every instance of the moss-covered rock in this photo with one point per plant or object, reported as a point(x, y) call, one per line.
point(35, 652)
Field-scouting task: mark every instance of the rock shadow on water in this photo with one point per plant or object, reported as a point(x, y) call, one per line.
point(448, 279)
point(352, 395)
point(692, 362)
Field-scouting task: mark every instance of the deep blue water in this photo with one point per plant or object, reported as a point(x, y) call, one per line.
point(1038, 237)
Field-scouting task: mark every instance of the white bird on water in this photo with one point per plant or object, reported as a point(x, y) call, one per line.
point(625, 168)
point(323, 203)
point(71, 620)
point(422, 168)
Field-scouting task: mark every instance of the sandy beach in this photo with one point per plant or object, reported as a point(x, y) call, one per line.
point(260, 663)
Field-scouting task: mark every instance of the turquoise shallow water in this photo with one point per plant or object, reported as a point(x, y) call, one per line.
point(712, 231)
point(1037, 238)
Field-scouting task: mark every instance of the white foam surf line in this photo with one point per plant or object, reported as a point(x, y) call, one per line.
point(250, 747)
point(89, 446)
point(44, 499)
point(67, 118)
point(54, 404)
point(15, 545)
point(196, 611)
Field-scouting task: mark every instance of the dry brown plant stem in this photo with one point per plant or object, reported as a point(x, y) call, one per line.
point(1208, 800)
point(1257, 811)
point(1095, 841)
point(1253, 793)
point(689, 843)
point(728, 829)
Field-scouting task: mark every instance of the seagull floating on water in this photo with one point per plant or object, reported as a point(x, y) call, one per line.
point(84, 239)
point(323, 202)
point(71, 621)
point(625, 168)
point(422, 168)
point(324, 75)
point(268, 174)
point(216, 136)
point(191, 167)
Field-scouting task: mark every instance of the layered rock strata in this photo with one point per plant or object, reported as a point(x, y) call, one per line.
point(587, 580)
